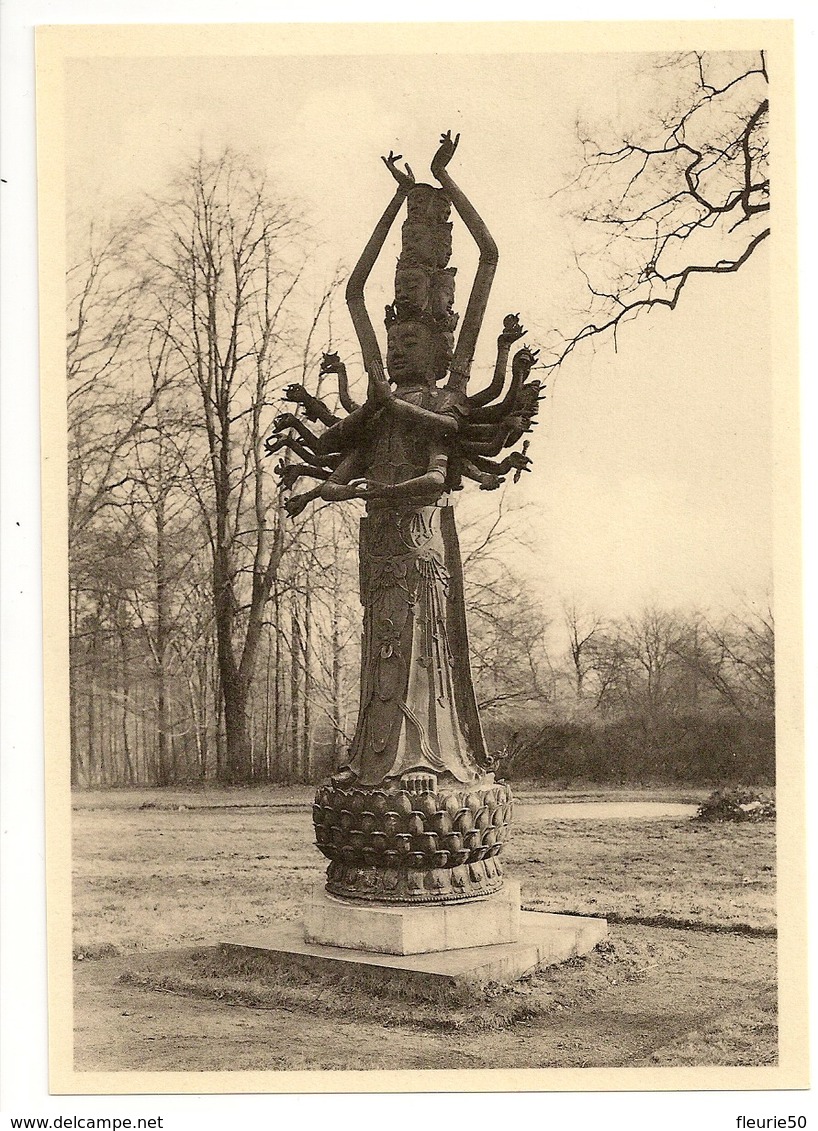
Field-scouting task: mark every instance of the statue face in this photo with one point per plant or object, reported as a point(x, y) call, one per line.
point(411, 287)
point(443, 294)
point(443, 353)
point(419, 244)
point(428, 204)
point(409, 352)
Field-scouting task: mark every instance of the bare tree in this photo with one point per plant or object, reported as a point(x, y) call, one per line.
point(582, 626)
point(227, 258)
point(735, 656)
point(683, 194)
point(637, 663)
point(108, 396)
point(507, 623)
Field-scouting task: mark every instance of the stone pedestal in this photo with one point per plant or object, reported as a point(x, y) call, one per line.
point(413, 928)
point(426, 947)
point(544, 940)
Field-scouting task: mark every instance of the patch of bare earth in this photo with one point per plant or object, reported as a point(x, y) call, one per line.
point(156, 890)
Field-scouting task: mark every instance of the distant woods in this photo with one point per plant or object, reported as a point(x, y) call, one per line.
point(213, 638)
point(656, 697)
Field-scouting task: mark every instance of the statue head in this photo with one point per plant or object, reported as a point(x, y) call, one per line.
point(410, 352)
point(426, 245)
point(428, 204)
point(443, 353)
point(442, 299)
point(411, 287)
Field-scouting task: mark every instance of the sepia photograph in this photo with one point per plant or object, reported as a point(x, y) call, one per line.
point(421, 557)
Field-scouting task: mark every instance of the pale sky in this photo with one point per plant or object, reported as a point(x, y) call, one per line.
point(652, 475)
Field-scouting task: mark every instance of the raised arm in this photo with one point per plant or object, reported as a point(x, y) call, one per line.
point(331, 363)
point(478, 299)
point(511, 333)
point(357, 280)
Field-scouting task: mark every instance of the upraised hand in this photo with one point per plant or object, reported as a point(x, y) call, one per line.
point(296, 393)
point(405, 180)
point(524, 361)
point(523, 456)
point(519, 461)
point(513, 329)
point(285, 421)
point(445, 153)
point(330, 363)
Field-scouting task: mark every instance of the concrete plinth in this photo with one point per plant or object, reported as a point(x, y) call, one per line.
point(544, 940)
point(413, 928)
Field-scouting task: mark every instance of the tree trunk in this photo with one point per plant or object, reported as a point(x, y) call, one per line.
point(296, 649)
point(238, 769)
point(130, 775)
point(162, 633)
point(306, 734)
point(279, 682)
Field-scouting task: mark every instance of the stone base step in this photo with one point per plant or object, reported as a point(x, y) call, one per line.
point(413, 928)
point(544, 940)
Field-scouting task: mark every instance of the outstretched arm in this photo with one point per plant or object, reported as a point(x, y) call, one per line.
point(519, 395)
point(515, 461)
point(355, 287)
point(290, 473)
point(437, 423)
point(314, 409)
point(335, 488)
point(329, 460)
point(478, 299)
point(488, 480)
point(428, 487)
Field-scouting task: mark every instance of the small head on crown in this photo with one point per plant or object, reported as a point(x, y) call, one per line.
point(428, 204)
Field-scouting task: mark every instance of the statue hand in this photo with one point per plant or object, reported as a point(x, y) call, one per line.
point(379, 390)
point(358, 488)
point(296, 503)
point(288, 473)
point(445, 153)
point(512, 331)
point(524, 462)
point(405, 180)
point(368, 489)
point(299, 395)
point(296, 393)
point(520, 421)
point(330, 363)
point(285, 421)
point(519, 461)
point(490, 482)
point(524, 361)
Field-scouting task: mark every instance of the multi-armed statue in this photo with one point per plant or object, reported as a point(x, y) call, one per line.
point(415, 814)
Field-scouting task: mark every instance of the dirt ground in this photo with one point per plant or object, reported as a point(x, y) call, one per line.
point(159, 881)
point(654, 997)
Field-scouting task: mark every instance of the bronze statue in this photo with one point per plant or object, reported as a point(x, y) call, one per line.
point(415, 814)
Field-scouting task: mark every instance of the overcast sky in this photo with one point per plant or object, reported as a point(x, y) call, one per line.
point(652, 475)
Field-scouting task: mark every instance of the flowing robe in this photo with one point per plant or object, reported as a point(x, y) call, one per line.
point(417, 708)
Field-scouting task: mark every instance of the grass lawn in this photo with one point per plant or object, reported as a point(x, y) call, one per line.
point(160, 877)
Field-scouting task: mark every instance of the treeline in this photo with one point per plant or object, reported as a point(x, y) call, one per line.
point(213, 638)
point(658, 697)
